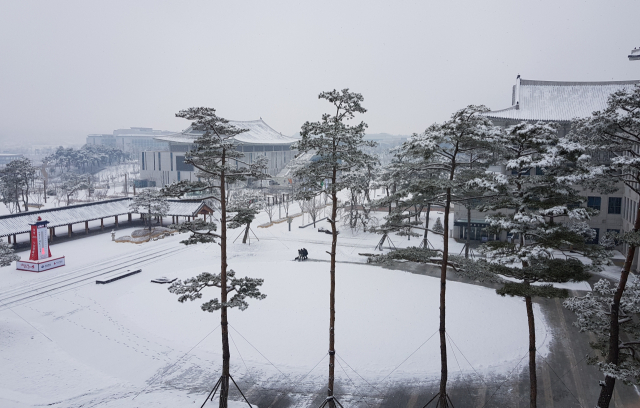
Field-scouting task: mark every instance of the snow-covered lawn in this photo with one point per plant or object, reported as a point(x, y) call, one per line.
point(100, 345)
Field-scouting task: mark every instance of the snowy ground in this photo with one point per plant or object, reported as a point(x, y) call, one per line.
point(102, 345)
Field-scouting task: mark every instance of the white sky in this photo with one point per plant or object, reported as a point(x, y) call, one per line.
point(70, 68)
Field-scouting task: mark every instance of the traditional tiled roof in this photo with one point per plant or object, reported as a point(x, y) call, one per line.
point(73, 214)
point(258, 132)
point(558, 101)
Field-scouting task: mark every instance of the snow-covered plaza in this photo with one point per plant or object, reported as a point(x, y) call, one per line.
point(66, 341)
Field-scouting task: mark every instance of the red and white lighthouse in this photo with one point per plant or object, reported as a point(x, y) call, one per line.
point(40, 258)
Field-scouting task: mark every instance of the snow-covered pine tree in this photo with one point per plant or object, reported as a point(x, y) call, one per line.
point(17, 177)
point(413, 188)
point(215, 159)
point(443, 151)
point(437, 226)
point(594, 310)
point(360, 184)
point(534, 195)
point(244, 204)
point(616, 131)
point(338, 148)
point(150, 204)
point(6, 254)
point(72, 183)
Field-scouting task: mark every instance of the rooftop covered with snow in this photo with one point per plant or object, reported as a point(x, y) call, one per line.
point(558, 101)
point(73, 214)
point(258, 132)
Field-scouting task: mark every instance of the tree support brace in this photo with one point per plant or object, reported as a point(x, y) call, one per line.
point(447, 402)
point(328, 399)
point(215, 388)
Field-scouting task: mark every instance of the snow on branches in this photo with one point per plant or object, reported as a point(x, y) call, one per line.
point(594, 316)
point(242, 288)
point(7, 255)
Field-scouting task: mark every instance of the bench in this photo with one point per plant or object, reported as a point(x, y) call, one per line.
point(119, 276)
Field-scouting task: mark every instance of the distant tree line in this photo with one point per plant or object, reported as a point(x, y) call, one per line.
point(88, 156)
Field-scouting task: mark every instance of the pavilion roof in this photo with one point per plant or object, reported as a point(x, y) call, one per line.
point(258, 132)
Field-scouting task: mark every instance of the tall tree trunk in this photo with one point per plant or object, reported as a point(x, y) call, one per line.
point(533, 379)
point(443, 287)
point(466, 247)
point(224, 324)
point(246, 233)
point(606, 392)
point(426, 228)
point(332, 293)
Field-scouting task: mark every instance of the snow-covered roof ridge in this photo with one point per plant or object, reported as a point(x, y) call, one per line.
point(258, 132)
point(73, 214)
point(558, 101)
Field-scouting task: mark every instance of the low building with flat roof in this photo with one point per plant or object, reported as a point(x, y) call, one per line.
point(133, 140)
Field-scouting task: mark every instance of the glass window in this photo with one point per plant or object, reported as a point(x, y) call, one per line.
point(615, 205)
point(594, 202)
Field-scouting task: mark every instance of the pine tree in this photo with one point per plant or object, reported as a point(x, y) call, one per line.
point(215, 159)
point(594, 310)
point(533, 195)
point(338, 148)
point(437, 226)
point(17, 178)
point(7, 254)
point(73, 182)
point(244, 205)
point(616, 131)
point(443, 151)
point(150, 203)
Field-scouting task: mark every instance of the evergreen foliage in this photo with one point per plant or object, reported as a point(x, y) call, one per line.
point(191, 289)
point(16, 179)
point(594, 316)
point(218, 165)
point(338, 148)
point(435, 167)
point(89, 155)
point(437, 226)
point(150, 203)
point(611, 140)
point(7, 254)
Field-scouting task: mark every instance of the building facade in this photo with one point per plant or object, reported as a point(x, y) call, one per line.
point(133, 140)
point(166, 167)
point(6, 158)
point(560, 103)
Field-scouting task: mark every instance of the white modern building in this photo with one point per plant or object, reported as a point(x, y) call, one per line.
point(133, 140)
point(168, 166)
point(6, 158)
point(559, 102)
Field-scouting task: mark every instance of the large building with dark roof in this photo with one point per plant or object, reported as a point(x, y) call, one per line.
point(166, 167)
point(560, 102)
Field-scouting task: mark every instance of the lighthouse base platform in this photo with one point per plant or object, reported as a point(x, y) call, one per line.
point(41, 265)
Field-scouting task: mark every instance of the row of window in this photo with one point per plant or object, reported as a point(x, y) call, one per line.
point(614, 207)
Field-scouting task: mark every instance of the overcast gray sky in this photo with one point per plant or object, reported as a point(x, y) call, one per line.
point(70, 68)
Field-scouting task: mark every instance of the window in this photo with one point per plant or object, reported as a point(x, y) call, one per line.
point(539, 171)
point(181, 165)
point(159, 162)
point(594, 202)
point(597, 237)
point(171, 160)
point(615, 204)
